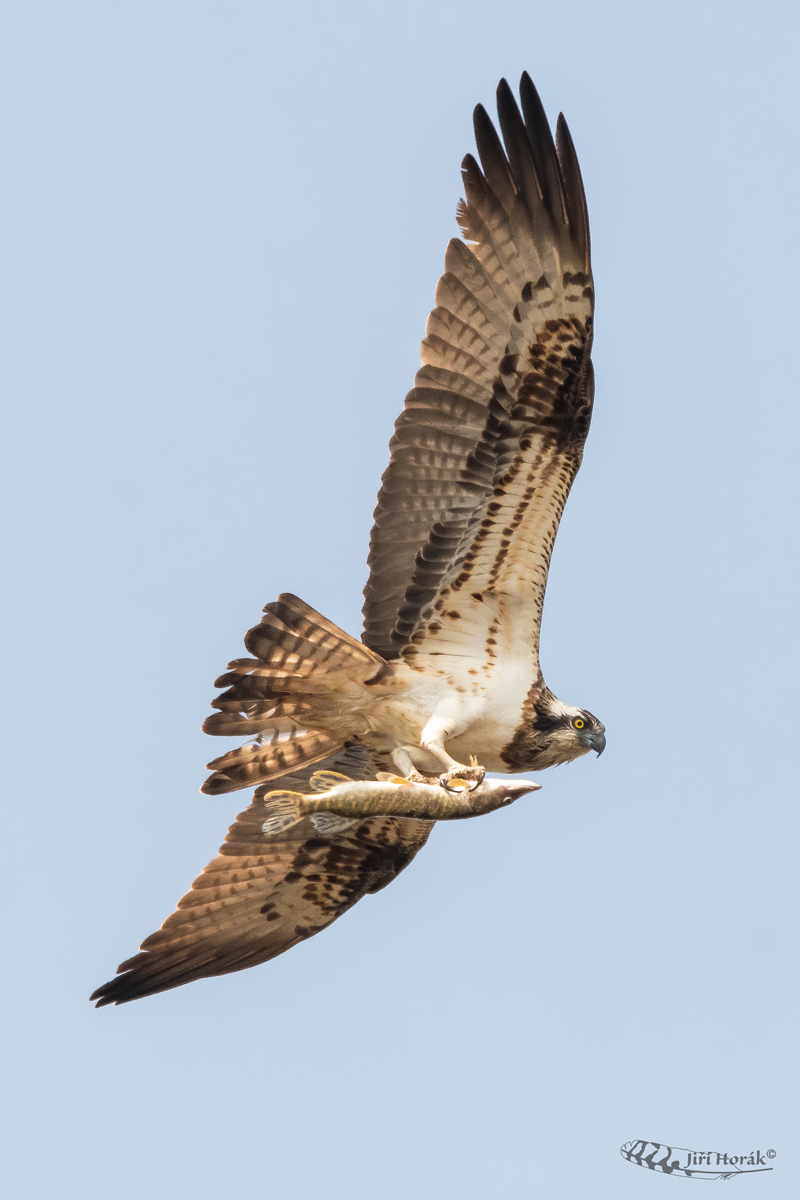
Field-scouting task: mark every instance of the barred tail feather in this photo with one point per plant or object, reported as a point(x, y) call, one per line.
point(279, 696)
point(240, 718)
point(258, 762)
point(294, 638)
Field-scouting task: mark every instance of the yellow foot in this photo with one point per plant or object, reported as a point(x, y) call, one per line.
point(411, 778)
point(418, 777)
point(461, 779)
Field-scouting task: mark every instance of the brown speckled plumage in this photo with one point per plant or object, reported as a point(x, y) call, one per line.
point(503, 399)
point(261, 896)
point(482, 461)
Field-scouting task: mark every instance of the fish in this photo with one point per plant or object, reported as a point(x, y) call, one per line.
point(338, 801)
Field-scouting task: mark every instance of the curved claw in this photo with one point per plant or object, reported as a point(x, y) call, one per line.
point(468, 785)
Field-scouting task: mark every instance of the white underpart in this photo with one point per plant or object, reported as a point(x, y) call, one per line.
point(459, 705)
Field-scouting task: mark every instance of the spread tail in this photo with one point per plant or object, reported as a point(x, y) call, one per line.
point(278, 696)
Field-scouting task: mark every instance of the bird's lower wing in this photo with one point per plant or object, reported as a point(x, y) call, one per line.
point(262, 895)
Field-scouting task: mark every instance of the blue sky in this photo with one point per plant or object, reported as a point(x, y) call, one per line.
point(223, 225)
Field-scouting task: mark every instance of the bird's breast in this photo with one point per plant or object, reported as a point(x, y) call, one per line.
point(485, 710)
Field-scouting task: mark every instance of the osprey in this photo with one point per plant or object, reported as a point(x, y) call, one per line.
point(447, 668)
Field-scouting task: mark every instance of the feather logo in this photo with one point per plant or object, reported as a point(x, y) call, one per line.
point(694, 1164)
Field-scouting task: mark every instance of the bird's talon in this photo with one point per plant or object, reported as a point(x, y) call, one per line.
point(463, 779)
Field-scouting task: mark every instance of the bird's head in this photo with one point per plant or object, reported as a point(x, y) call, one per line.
point(554, 733)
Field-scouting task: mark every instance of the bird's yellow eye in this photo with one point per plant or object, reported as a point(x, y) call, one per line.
point(579, 722)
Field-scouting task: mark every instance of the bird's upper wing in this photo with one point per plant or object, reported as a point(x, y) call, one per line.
point(261, 896)
point(491, 436)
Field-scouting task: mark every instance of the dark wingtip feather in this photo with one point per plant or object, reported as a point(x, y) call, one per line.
point(543, 150)
point(102, 997)
point(503, 90)
point(575, 196)
point(518, 146)
point(493, 158)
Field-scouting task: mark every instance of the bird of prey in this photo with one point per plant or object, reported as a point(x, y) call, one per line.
point(447, 668)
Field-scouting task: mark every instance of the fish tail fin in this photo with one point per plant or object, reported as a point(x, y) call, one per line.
point(283, 809)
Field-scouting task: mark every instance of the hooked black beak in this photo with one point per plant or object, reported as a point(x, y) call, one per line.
point(595, 740)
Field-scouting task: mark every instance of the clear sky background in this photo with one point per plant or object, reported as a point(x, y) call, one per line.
point(222, 225)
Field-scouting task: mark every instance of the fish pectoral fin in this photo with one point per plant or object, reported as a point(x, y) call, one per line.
point(329, 824)
point(283, 811)
point(388, 777)
point(323, 781)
